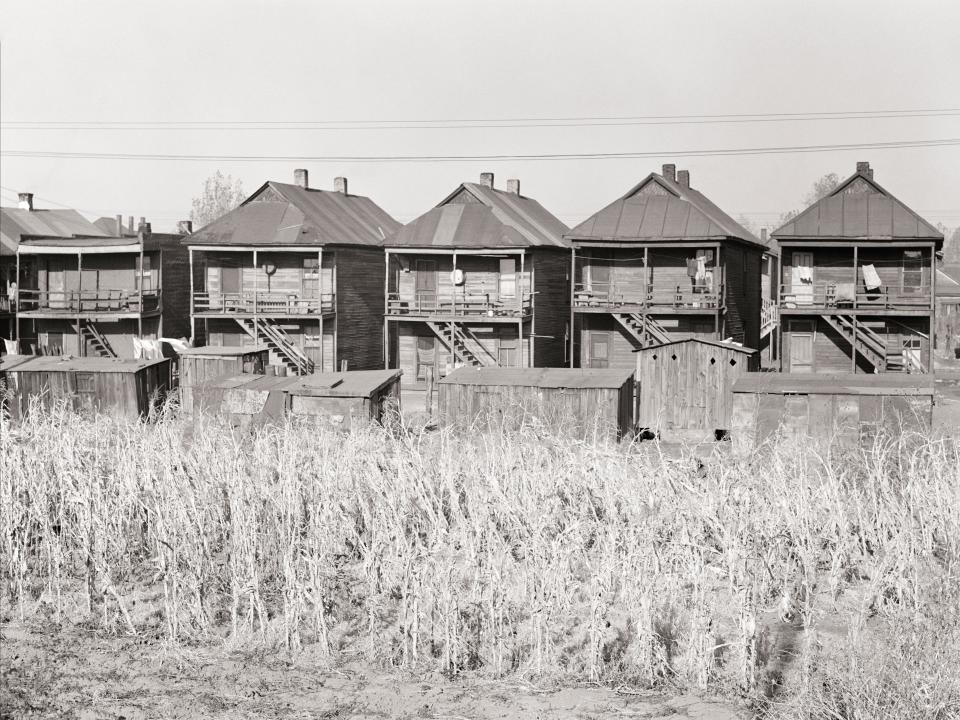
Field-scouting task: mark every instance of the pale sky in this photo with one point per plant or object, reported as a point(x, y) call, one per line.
point(297, 61)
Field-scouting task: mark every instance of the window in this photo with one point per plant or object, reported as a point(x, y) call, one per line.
point(144, 274)
point(508, 278)
point(507, 354)
point(311, 277)
point(912, 275)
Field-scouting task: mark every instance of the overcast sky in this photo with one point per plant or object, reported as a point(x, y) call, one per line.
point(298, 61)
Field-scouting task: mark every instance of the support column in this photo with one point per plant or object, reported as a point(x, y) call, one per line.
point(856, 321)
point(81, 345)
point(256, 287)
point(523, 355)
point(16, 315)
point(573, 285)
point(140, 292)
point(386, 311)
point(193, 320)
point(932, 322)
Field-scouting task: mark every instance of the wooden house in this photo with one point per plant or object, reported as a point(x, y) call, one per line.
point(339, 400)
point(120, 387)
point(857, 283)
point(479, 280)
point(583, 404)
point(200, 364)
point(298, 269)
point(685, 387)
point(948, 311)
point(847, 409)
point(769, 346)
point(661, 263)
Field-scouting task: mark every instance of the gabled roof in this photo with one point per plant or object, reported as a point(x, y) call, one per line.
point(702, 341)
point(476, 216)
point(283, 214)
point(16, 223)
point(859, 209)
point(948, 281)
point(660, 209)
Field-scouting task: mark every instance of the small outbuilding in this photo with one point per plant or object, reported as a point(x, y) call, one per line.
point(685, 386)
point(582, 403)
point(197, 365)
point(341, 400)
point(848, 408)
point(119, 386)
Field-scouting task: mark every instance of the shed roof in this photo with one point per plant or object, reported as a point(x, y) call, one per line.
point(539, 377)
point(843, 384)
point(658, 209)
point(67, 363)
point(222, 351)
point(859, 209)
point(353, 383)
point(282, 214)
point(477, 216)
point(948, 281)
point(702, 341)
point(17, 223)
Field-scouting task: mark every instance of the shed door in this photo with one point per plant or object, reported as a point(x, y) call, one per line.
point(801, 347)
point(599, 350)
point(230, 279)
point(801, 278)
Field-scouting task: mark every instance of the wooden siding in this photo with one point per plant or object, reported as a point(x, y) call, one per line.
point(551, 307)
point(481, 275)
point(628, 276)
point(831, 350)
point(743, 291)
point(360, 301)
point(304, 334)
point(175, 288)
point(835, 265)
point(288, 278)
point(196, 369)
point(118, 334)
point(622, 348)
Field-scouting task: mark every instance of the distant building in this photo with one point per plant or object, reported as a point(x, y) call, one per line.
point(480, 280)
point(948, 310)
point(857, 283)
point(297, 269)
point(662, 263)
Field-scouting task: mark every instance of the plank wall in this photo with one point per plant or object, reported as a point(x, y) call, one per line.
point(551, 306)
point(360, 302)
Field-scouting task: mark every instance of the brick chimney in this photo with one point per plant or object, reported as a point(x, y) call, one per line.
point(184, 227)
point(670, 172)
point(340, 185)
point(119, 221)
point(142, 224)
point(683, 177)
point(301, 178)
point(25, 201)
point(763, 235)
point(130, 223)
point(486, 179)
point(513, 186)
point(864, 169)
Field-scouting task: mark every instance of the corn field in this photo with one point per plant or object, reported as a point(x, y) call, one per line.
point(505, 555)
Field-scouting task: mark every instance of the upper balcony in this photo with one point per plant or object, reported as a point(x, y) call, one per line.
point(54, 303)
point(241, 304)
point(836, 296)
point(450, 306)
point(608, 297)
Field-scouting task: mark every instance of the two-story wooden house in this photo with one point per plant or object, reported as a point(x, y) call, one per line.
point(661, 263)
point(481, 279)
point(857, 283)
point(298, 269)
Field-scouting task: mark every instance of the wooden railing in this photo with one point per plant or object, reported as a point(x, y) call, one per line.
point(848, 295)
point(81, 301)
point(432, 304)
point(5, 304)
point(608, 295)
point(262, 303)
point(768, 315)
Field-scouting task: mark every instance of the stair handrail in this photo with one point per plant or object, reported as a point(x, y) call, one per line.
point(467, 334)
point(284, 344)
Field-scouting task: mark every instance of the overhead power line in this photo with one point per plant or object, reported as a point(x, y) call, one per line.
point(482, 123)
point(731, 152)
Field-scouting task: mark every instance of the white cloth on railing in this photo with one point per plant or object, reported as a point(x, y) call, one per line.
point(805, 273)
point(137, 348)
point(180, 345)
point(844, 292)
point(871, 280)
point(10, 347)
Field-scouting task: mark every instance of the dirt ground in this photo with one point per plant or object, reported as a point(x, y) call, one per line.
point(52, 671)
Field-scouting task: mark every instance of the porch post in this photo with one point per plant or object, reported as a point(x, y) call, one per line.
point(386, 310)
point(573, 285)
point(256, 284)
point(193, 331)
point(16, 315)
point(856, 320)
point(520, 291)
point(932, 325)
point(81, 346)
point(140, 292)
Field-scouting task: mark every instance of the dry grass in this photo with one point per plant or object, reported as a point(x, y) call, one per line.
point(824, 581)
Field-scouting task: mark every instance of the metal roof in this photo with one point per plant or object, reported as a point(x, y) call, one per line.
point(659, 209)
point(353, 383)
point(859, 209)
point(948, 281)
point(222, 351)
point(703, 341)
point(490, 219)
point(841, 384)
point(539, 377)
point(67, 363)
point(109, 226)
point(283, 214)
point(16, 223)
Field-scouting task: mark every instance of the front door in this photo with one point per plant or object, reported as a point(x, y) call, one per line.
point(56, 282)
point(599, 349)
point(801, 347)
point(230, 279)
point(426, 284)
point(801, 278)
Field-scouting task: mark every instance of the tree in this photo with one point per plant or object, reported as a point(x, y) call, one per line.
point(820, 189)
point(951, 245)
point(221, 194)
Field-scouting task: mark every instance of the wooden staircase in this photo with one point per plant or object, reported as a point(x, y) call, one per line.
point(465, 346)
point(769, 316)
point(634, 325)
point(870, 346)
point(267, 332)
point(90, 333)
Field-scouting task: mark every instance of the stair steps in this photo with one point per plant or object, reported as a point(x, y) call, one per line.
point(265, 331)
point(465, 346)
point(90, 333)
point(633, 323)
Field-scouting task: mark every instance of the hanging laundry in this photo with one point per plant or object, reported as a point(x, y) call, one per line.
point(871, 279)
point(806, 273)
point(701, 275)
point(137, 348)
point(692, 266)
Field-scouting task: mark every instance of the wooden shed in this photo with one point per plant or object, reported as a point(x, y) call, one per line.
point(341, 400)
point(849, 408)
point(685, 386)
point(123, 387)
point(582, 403)
point(200, 364)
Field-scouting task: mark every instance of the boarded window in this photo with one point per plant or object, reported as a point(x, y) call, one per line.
point(426, 277)
point(912, 271)
point(508, 278)
point(508, 354)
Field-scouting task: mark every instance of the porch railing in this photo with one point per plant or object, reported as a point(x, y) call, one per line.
point(468, 305)
point(848, 295)
point(653, 295)
point(263, 303)
point(80, 301)
point(5, 304)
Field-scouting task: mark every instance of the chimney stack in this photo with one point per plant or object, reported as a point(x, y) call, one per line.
point(185, 227)
point(670, 172)
point(340, 185)
point(865, 169)
point(25, 201)
point(763, 235)
point(142, 224)
point(513, 186)
point(683, 177)
point(486, 179)
point(119, 221)
point(301, 178)
point(130, 223)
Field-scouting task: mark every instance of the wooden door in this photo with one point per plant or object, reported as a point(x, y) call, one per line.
point(801, 347)
point(426, 284)
point(56, 282)
point(599, 349)
point(801, 278)
point(230, 279)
